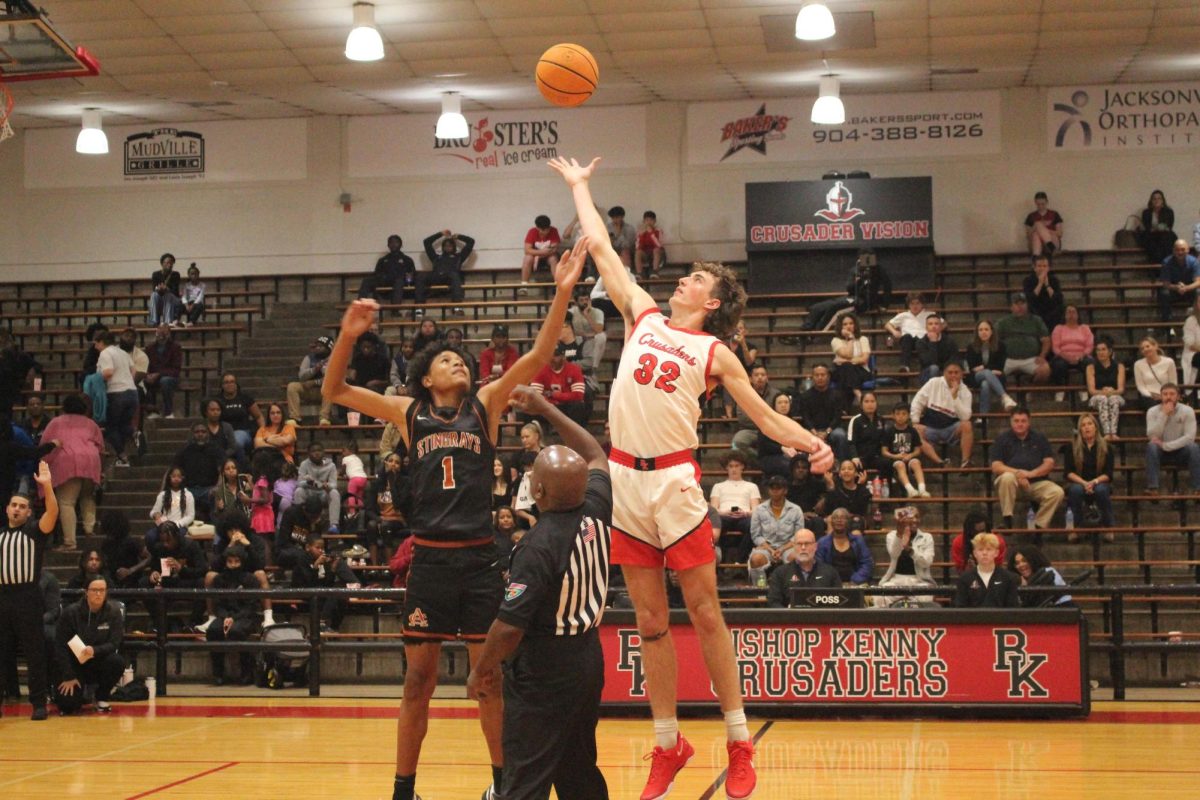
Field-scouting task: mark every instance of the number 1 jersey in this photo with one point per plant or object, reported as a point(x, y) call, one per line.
point(451, 456)
point(654, 407)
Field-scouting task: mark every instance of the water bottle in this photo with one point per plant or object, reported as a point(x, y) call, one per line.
point(884, 488)
point(876, 488)
point(1070, 519)
point(1029, 519)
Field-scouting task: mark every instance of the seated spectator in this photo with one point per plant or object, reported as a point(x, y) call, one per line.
point(173, 504)
point(1044, 293)
point(193, 297)
point(773, 457)
point(902, 446)
point(562, 383)
point(502, 487)
point(164, 301)
point(1178, 280)
point(446, 268)
point(100, 625)
point(163, 370)
point(1043, 227)
point(851, 358)
point(369, 367)
point(868, 288)
point(1088, 467)
point(821, 409)
point(941, 413)
point(498, 357)
point(201, 460)
point(316, 568)
point(398, 372)
point(864, 436)
point(745, 438)
point(1026, 342)
point(1022, 462)
point(1190, 358)
point(401, 562)
point(735, 500)
point(936, 349)
point(318, 478)
point(1032, 568)
point(845, 551)
point(985, 367)
point(1106, 387)
point(237, 617)
point(231, 496)
point(505, 531)
point(121, 552)
point(848, 490)
point(307, 387)
point(1171, 428)
point(235, 532)
point(1156, 235)
point(587, 323)
point(987, 585)
point(523, 503)
point(650, 256)
point(541, 249)
point(296, 525)
point(394, 269)
point(772, 525)
point(960, 552)
point(174, 561)
point(911, 552)
point(806, 491)
point(428, 332)
point(284, 488)
point(622, 236)
point(531, 445)
point(75, 466)
point(221, 433)
point(1072, 343)
point(909, 326)
point(1152, 372)
point(803, 571)
point(240, 411)
point(36, 419)
point(91, 566)
point(745, 350)
point(274, 444)
point(386, 506)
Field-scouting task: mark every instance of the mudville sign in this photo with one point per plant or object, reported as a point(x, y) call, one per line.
point(164, 153)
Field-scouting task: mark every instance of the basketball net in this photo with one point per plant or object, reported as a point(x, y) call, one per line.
point(6, 107)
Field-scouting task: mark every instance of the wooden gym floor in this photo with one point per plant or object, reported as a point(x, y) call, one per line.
point(303, 749)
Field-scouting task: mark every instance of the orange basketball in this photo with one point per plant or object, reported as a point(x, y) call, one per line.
point(567, 74)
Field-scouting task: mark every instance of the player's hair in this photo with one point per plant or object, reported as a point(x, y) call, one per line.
point(419, 366)
point(986, 539)
point(723, 319)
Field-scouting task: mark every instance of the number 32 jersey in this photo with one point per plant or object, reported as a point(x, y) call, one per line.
point(655, 403)
point(452, 457)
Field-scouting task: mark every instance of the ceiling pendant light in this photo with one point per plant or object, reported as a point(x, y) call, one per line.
point(828, 110)
point(91, 140)
point(364, 42)
point(814, 22)
point(452, 124)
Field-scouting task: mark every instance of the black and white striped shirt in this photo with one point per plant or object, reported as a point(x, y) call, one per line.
point(21, 554)
point(558, 573)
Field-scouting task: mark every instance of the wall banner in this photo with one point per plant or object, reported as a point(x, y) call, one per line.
point(916, 125)
point(1123, 116)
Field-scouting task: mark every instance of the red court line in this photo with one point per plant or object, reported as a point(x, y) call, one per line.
point(188, 779)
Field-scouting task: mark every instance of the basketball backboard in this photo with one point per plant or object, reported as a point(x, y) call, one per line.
point(30, 48)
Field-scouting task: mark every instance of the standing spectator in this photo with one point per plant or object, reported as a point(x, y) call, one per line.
point(851, 358)
point(941, 412)
point(868, 288)
point(116, 367)
point(587, 322)
point(201, 460)
point(446, 268)
point(622, 237)
point(735, 500)
point(394, 269)
point(398, 374)
point(936, 349)
point(75, 464)
point(1189, 359)
point(165, 364)
point(908, 326)
point(1178, 280)
point(221, 433)
point(1158, 221)
point(240, 411)
point(498, 357)
point(1022, 462)
point(541, 245)
point(164, 301)
point(307, 387)
point(1152, 371)
point(386, 507)
point(561, 382)
point(864, 436)
point(1026, 341)
point(985, 366)
point(650, 256)
point(100, 625)
point(772, 526)
point(987, 585)
point(911, 552)
point(1171, 429)
point(237, 617)
point(318, 478)
point(804, 572)
point(746, 437)
point(36, 419)
point(1043, 227)
point(173, 504)
point(1088, 467)
point(353, 469)
point(1106, 387)
point(845, 551)
point(902, 446)
point(848, 490)
point(773, 457)
point(821, 411)
point(1044, 293)
point(1072, 343)
point(193, 297)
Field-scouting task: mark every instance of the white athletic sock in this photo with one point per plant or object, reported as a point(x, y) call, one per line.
point(735, 726)
point(666, 733)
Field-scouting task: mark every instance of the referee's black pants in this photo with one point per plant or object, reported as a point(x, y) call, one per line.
point(551, 708)
point(21, 619)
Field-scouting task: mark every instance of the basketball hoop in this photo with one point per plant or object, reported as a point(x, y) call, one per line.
point(6, 107)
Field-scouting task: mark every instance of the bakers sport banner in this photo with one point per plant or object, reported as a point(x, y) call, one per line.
point(842, 213)
point(901, 658)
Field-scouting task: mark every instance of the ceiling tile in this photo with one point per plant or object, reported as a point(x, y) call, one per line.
point(563, 27)
point(212, 24)
point(247, 59)
point(227, 42)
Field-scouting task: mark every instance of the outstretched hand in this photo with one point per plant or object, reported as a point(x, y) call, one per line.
point(570, 266)
point(821, 459)
point(359, 317)
point(528, 400)
point(43, 475)
point(573, 173)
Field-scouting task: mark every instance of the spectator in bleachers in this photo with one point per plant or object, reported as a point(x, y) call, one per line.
point(868, 288)
point(621, 235)
point(100, 625)
point(987, 585)
point(741, 346)
point(1072, 343)
point(847, 490)
point(821, 409)
point(18, 457)
point(1152, 372)
point(1171, 428)
point(911, 552)
point(122, 552)
point(201, 460)
point(284, 487)
point(307, 386)
point(398, 373)
point(369, 367)
point(394, 269)
point(806, 490)
point(193, 297)
point(909, 326)
point(236, 617)
point(75, 465)
point(240, 411)
point(804, 571)
point(650, 256)
point(1032, 568)
point(1044, 293)
point(274, 444)
point(902, 446)
point(318, 568)
point(1022, 461)
point(446, 269)
point(941, 413)
point(427, 333)
point(36, 419)
point(221, 433)
point(141, 366)
point(231, 496)
point(524, 505)
point(1190, 357)
point(1156, 235)
point(507, 534)
point(1106, 387)
point(502, 486)
point(773, 457)
point(498, 357)
point(174, 560)
point(262, 510)
point(401, 561)
point(746, 437)
point(386, 507)
point(352, 467)
point(174, 503)
point(91, 566)
point(1178, 280)
point(936, 349)
point(164, 301)
point(318, 478)
point(1088, 468)
point(1026, 341)
point(845, 551)
point(541, 249)
point(116, 367)
point(1043, 227)
point(601, 300)
point(562, 383)
point(454, 337)
point(531, 445)
point(91, 356)
point(296, 525)
point(851, 358)
point(772, 526)
point(864, 436)
point(985, 367)
point(735, 499)
point(587, 322)
point(165, 365)
point(961, 553)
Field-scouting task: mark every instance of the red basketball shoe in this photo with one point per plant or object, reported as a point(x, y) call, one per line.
point(740, 780)
point(664, 766)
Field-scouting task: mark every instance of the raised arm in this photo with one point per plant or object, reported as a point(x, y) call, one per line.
point(50, 515)
point(355, 322)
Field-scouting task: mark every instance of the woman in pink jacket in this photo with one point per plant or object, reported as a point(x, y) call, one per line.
point(75, 465)
point(1071, 343)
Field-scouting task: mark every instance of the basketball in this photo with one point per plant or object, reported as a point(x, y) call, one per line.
point(567, 74)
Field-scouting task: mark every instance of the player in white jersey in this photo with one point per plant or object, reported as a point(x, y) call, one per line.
point(660, 519)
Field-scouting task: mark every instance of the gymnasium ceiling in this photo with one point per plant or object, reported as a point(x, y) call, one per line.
point(166, 61)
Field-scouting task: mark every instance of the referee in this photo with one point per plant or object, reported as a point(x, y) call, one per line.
point(546, 629)
point(22, 543)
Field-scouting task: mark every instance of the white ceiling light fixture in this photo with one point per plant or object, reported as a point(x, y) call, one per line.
point(814, 22)
point(828, 110)
point(91, 140)
point(364, 42)
point(452, 124)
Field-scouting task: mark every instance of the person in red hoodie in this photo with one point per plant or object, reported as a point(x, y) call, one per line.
point(561, 381)
point(496, 360)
